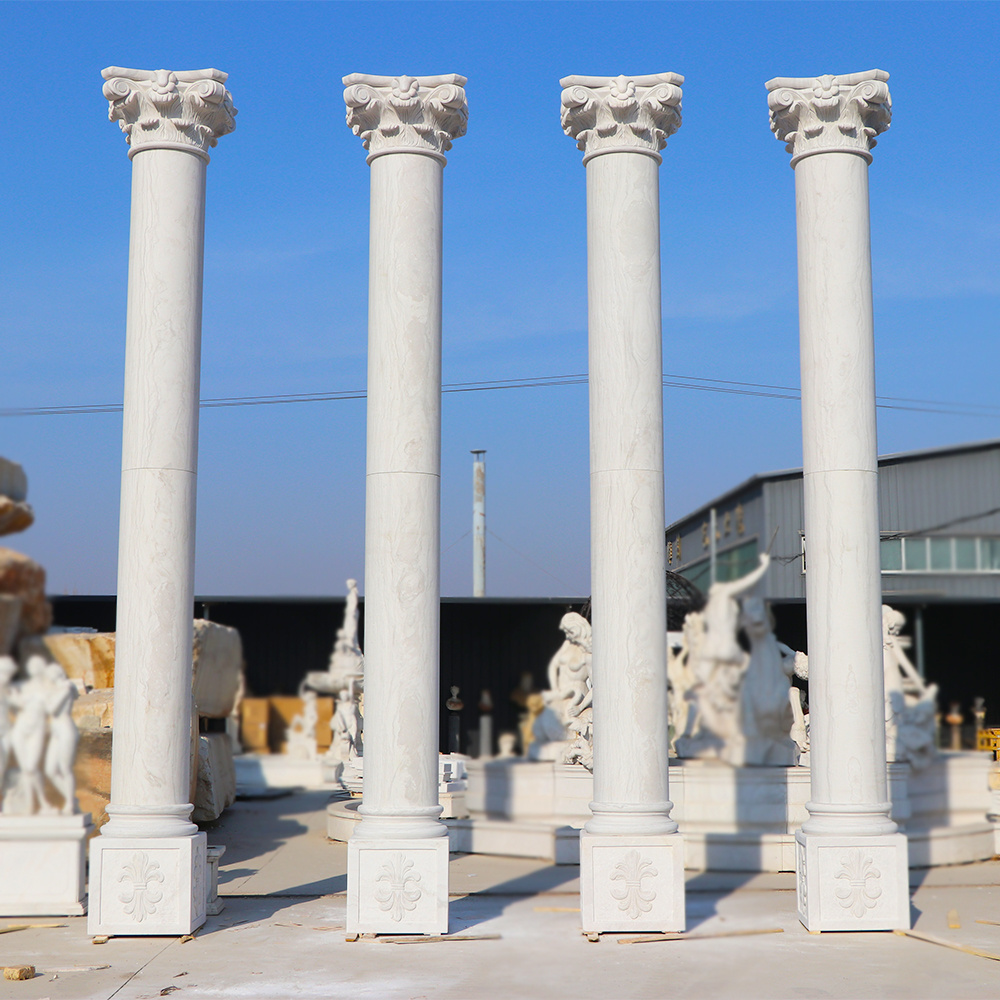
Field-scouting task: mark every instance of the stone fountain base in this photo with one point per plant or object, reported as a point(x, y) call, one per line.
point(732, 819)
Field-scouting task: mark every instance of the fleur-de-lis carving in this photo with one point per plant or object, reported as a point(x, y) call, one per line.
point(141, 894)
point(397, 890)
point(861, 891)
point(632, 899)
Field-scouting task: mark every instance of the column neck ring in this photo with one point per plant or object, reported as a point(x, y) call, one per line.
point(623, 149)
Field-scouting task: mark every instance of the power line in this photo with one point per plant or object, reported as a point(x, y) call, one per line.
point(672, 381)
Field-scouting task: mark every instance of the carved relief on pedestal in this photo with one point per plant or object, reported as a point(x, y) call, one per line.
point(627, 889)
point(406, 114)
point(860, 890)
point(158, 109)
point(397, 889)
point(830, 113)
point(141, 878)
point(622, 113)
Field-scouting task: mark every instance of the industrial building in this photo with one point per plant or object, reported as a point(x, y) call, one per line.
point(939, 519)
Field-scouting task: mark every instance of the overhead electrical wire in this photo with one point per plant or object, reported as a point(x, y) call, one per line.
point(700, 383)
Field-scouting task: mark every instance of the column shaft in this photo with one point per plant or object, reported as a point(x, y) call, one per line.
point(840, 476)
point(402, 596)
point(627, 520)
point(152, 735)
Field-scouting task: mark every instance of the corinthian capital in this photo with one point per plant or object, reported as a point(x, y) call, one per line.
point(830, 113)
point(406, 114)
point(621, 113)
point(157, 109)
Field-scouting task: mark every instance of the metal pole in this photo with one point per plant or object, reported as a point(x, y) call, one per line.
point(479, 523)
point(918, 630)
point(711, 546)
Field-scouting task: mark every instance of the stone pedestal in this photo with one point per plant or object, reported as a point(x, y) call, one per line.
point(398, 873)
point(43, 865)
point(829, 124)
point(631, 883)
point(399, 886)
point(214, 904)
point(149, 849)
point(147, 885)
point(621, 124)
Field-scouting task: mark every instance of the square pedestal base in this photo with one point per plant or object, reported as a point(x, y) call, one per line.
point(631, 883)
point(852, 883)
point(43, 865)
point(140, 886)
point(397, 886)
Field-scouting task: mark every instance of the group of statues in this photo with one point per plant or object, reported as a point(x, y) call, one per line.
point(742, 706)
point(38, 738)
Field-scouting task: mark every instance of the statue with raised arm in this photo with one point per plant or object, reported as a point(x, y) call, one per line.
point(910, 703)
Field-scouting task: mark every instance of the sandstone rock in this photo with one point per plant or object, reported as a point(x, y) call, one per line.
point(24, 578)
point(218, 668)
point(89, 656)
point(216, 788)
point(15, 515)
point(95, 709)
point(92, 770)
point(10, 622)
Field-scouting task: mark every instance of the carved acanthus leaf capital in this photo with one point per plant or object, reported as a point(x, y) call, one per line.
point(830, 113)
point(157, 109)
point(622, 113)
point(406, 114)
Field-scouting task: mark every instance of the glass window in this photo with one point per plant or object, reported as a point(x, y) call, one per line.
point(965, 554)
point(941, 554)
point(892, 554)
point(915, 553)
point(698, 574)
point(989, 553)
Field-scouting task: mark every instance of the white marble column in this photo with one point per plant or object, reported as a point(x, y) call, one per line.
point(631, 855)
point(147, 869)
point(397, 879)
point(851, 861)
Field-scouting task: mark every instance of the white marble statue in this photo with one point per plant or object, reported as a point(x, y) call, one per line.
point(718, 668)
point(301, 740)
point(562, 727)
point(681, 680)
point(766, 716)
point(346, 667)
point(910, 703)
point(27, 742)
point(346, 744)
point(63, 736)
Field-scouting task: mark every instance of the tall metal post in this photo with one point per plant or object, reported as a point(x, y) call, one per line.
point(478, 523)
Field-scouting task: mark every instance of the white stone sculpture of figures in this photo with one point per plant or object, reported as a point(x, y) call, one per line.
point(302, 729)
point(766, 716)
point(346, 667)
point(681, 681)
point(718, 672)
point(557, 728)
point(910, 704)
point(8, 670)
point(63, 736)
point(569, 669)
point(27, 742)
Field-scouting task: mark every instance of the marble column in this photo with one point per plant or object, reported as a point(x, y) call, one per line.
point(397, 877)
point(850, 859)
point(631, 855)
point(147, 869)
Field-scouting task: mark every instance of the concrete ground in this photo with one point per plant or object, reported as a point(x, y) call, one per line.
point(282, 935)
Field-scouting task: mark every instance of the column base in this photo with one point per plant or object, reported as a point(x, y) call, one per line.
point(851, 883)
point(43, 865)
point(147, 885)
point(631, 882)
point(397, 886)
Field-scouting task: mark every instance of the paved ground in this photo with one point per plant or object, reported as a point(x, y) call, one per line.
point(282, 935)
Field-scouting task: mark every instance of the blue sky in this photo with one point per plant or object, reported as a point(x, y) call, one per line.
point(281, 487)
